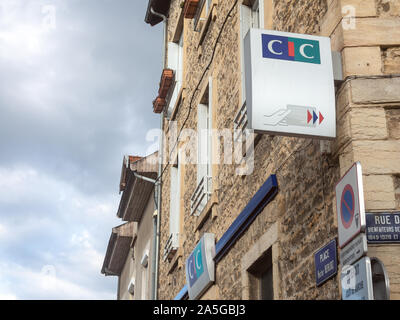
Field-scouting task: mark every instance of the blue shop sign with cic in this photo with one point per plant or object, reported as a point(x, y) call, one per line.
point(200, 266)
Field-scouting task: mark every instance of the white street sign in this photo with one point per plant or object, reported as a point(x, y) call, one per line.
point(350, 205)
point(355, 250)
point(356, 281)
point(289, 84)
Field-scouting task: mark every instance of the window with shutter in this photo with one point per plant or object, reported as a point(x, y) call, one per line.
point(202, 193)
point(251, 16)
point(175, 62)
point(174, 221)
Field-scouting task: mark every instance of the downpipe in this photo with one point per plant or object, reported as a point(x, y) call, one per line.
point(157, 218)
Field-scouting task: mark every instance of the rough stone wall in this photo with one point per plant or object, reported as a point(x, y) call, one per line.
point(389, 8)
point(305, 205)
point(299, 16)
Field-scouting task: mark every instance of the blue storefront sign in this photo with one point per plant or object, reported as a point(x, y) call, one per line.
point(195, 265)
point(200, 266)
point(383, 227)
point(325, 262)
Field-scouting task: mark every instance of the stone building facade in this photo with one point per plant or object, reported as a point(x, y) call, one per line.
point(301, 217)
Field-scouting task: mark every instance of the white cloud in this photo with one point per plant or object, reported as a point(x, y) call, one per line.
point(8, 296)
point(72, 105)
point(59, 217)
point(36, 284)
point(3, 231)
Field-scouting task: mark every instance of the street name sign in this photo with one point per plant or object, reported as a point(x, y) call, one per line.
point(350, 205)
point(355, 250)
point(383, 227)
point(325, 262)
point(289, 84)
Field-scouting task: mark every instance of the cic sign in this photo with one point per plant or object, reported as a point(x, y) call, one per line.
point(200, 266)
point(289, 84)
point(290, 49)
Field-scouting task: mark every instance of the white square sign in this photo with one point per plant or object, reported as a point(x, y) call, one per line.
point(289, 84)
point(356, 281)
point(350, 205)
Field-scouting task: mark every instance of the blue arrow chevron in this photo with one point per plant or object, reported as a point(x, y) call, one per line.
point(315, 117)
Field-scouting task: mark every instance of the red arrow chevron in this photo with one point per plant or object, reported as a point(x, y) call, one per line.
point(321, 118)
point(309, 116)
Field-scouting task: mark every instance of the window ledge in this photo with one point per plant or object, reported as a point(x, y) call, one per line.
point(175, 260)
point(210, 210)
point(178, 28)
point(179, 100)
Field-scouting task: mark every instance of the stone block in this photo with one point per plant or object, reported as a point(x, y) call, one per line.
point(362, 8)
point(378, 157)
point(366, 91)
point(396, 182)
point(372, 32)
point(346, 158)
point(332, 18)
point(379, 192)
point(343, 132)
point(388, 8)
point(362, 61)
point(339, 9)
point(337, 42)
point(393, 122)
point(368, 124)
point(343, 100)
point(391, 60)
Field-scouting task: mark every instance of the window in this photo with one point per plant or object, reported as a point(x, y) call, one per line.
point(204, 152)
point(145, 271)
point(204, 128)
point(131, 287)
point(251, 16)
point(261, 278)
point(172, 242)
point(259, 267)
point(201, 14)
point(175, 62)
point(144, 283)
point(174, 210)
point(208, 6)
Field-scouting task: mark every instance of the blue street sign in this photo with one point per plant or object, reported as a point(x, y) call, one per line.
point(325, 262)
point(383, 227)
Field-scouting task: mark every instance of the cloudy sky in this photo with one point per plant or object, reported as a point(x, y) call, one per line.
point(77, 78)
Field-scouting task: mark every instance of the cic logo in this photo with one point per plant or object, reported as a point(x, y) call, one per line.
point(195, 265)
point(291, 49)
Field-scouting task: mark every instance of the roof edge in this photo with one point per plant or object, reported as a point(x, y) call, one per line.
point(159, 6)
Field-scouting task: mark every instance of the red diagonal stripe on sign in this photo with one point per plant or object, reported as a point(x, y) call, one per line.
point(347, 206)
